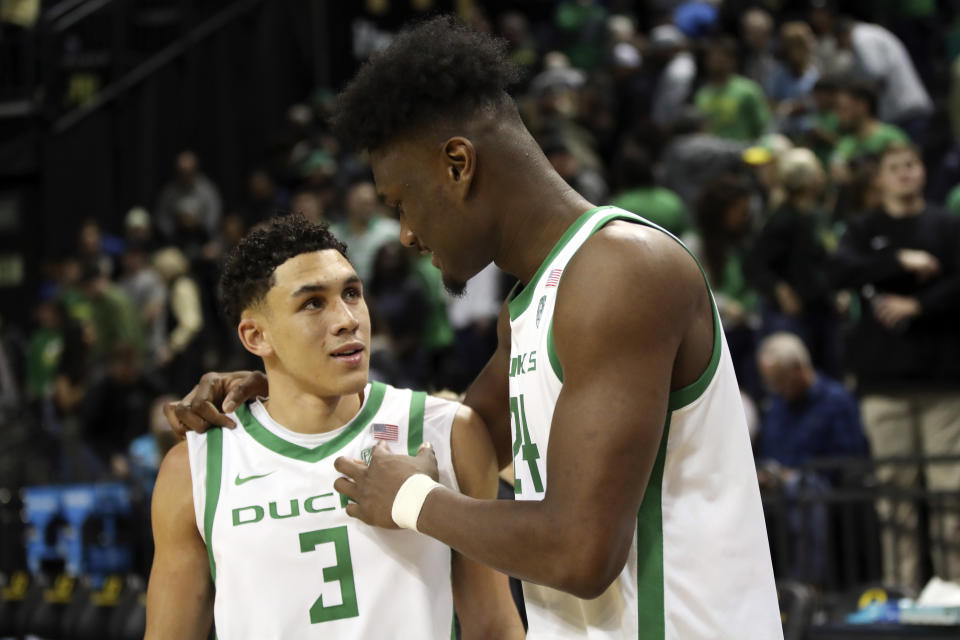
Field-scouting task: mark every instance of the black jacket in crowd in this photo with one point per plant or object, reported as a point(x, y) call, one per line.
point(925, 353)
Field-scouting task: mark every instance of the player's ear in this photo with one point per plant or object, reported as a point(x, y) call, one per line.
point(253, 335)
point(460, 158)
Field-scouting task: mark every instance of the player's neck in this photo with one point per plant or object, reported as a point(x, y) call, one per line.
point(542, 211)
point(303, 412)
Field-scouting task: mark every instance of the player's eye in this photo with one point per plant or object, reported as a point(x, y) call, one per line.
point(352, 293)
point(312, 304)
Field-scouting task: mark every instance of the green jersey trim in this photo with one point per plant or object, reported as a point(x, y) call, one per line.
point(520, 297)
point(552, 353)
point(418, 401)
point(285, 448)
point(685, 395)
point(650, 586)
point(214, 466)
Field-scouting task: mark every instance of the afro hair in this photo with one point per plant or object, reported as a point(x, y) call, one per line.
point(248, 273)
point(438, 68)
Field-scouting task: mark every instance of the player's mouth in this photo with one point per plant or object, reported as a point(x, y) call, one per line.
point(350, 354)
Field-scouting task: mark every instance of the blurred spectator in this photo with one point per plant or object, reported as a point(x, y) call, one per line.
point(694, 157)
point(147, 292)
point(735, 107)
point(96, 247)
point(137, 228)
point(117, 406)
point(180, 356)
point(366, 228)
point(902, 258)
point(189, 182)
point(808, 415)
point(863, 133)
point(821, 130)
point(438, 334)
point(114, 319)
point(832, 60)
point(793, 82)
point(44, 349)
point(640, 194)
point(189, 233)
point(723, 220)
point(307, 204)
point(580, 28)
point(557, 75)
point(668, 51)
point(400, 306)
point(147, 451)
point(473, 317)
point(584, 180)
point(788, 263)
point(264, 198)
point(522, 46)
point(760, 64)
point(881, 58)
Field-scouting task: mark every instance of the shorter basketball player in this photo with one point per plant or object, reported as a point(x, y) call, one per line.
point(248, 529)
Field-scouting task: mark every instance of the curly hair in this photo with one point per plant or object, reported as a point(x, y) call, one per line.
point(439, 68)
point(248, 273)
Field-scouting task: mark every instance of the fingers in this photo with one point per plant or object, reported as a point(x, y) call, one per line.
point(169, 410)
point(242, 386)
point(353, 510)
point(350, 468)
point(206, 411)
point(347, 487)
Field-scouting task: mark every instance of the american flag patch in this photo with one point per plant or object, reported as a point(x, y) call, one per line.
point(383, 431)
point(554, 278)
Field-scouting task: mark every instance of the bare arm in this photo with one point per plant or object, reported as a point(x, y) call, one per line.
point(490, 392)
point(618, 358)
point(180, 593)
point(481, 594)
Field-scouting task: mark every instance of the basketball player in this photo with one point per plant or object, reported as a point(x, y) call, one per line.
point(247, 526)
point(612, 391)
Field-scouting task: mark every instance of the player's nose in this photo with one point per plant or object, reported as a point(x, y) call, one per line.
point(347, 319)
point(407, 237)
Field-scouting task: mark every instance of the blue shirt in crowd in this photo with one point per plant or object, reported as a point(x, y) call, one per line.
point(824, 423)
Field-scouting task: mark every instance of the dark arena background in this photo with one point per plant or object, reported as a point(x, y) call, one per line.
point(140, 140)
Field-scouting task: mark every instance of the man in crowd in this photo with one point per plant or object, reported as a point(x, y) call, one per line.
point(904, 261)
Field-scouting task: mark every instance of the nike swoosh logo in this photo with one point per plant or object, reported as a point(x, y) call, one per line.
point(239, 481)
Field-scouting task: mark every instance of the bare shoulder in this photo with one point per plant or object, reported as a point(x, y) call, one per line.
point(635, 260)
point(174, 486)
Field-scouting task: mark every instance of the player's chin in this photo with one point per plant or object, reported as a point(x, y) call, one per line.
point(455, 286)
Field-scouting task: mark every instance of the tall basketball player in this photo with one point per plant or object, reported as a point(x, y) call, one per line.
point(247, 526)
point(612, 391)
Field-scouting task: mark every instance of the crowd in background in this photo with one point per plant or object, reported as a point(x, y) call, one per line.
point(809, 159)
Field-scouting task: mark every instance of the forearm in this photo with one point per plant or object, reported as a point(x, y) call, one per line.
point(528, 540)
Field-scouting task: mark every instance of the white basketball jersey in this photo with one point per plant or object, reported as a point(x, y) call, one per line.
point(699, 566)
point(286, 560)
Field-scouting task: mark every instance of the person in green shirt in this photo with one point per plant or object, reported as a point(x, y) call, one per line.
point(856, 109)
point(953, 200)
point(734, 106)
point(366, 228)
point(640, 194)
point(114, 319)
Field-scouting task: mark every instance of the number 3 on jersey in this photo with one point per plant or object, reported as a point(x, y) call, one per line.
point(529, 451)
point(342, 572)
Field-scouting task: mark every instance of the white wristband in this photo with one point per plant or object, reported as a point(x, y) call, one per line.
point(409, 500)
